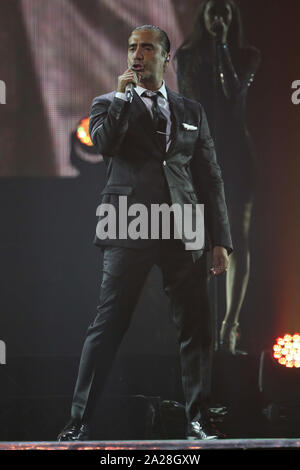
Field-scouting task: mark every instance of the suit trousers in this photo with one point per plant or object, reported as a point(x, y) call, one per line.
point(185, 281)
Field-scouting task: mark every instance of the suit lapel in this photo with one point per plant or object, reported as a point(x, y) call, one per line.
point(177, 115)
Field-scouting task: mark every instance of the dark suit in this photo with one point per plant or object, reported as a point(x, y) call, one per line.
point(135, 162)
point(138, 168)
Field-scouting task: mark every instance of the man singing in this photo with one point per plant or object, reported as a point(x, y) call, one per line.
point(157, 149)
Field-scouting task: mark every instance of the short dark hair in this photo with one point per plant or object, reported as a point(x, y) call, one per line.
point(165, 41)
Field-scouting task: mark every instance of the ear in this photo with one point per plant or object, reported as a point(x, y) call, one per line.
point(167, 60)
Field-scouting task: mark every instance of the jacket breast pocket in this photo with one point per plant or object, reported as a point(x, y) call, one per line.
point(188, 140)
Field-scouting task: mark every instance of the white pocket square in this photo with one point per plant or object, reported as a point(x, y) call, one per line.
point(189, 127)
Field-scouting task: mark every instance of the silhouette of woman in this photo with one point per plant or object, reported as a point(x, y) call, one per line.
point(215, 68)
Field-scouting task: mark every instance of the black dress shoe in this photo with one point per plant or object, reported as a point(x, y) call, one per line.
point(74, 431)
point(200, 430)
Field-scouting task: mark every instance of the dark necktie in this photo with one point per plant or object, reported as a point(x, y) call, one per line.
point(159, 120)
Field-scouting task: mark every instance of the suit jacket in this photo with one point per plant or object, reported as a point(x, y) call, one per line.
point(137, 167)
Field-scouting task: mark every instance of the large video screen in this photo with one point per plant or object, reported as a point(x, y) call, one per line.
point(56, 56)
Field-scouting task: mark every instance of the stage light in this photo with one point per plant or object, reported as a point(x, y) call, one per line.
point(81, 138)
point(286, 350)
point(83, 153)
point(279, 379)
point(82, 132)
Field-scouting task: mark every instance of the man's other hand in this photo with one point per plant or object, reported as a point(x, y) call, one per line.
point(220, 260)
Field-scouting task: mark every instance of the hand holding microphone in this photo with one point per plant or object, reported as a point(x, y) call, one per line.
point(126, 83)
point(220, 28)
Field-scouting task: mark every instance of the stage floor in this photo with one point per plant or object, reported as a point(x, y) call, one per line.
point(156, 445)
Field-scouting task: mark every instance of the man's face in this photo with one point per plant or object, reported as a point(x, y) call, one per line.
point(146, 55)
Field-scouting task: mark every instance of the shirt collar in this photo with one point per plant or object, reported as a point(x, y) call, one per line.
point(162, 90)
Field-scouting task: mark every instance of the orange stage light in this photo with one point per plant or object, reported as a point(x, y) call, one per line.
point(286, 350)
point(82, 132)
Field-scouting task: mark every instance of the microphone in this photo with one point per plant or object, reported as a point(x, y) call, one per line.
point(130, 86)
point(129, 92)
point(218, 29)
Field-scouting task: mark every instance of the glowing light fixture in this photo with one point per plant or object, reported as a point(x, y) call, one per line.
point(286, 350)
point(279, 382)
point(83, 151)
point(82, 132)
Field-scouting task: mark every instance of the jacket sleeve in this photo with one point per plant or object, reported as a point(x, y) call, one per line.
point(108, 124)
point(206, 174)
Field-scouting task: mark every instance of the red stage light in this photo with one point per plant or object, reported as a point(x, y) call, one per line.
point(82, 132)
point(287, 350)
